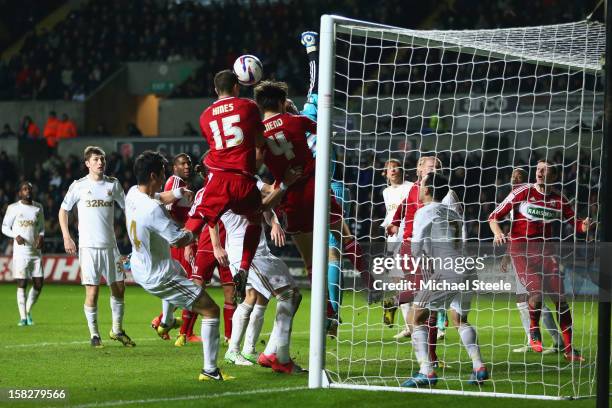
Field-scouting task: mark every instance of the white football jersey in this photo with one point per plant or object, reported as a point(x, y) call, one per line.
point(26, 221)
point(235, 228)
point(437, 234)
point(95, 201)
point(152, 231)
point(393, 196)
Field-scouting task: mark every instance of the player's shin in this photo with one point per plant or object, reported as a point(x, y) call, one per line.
point(228, 313)
point(21, 303)
point(117, 307)
point(210, 342)
point(253, 330)
point(239, 324)
point(470, 342)
point(565, 323)
point(333, 284)
point(32, 298)
point(167, 313)
point(91, 314)
point(281, 333)
point(419, 343)
point(187, 317)
point(432, 336)
point(551, 327)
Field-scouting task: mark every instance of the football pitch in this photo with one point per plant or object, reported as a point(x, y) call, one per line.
point(55, 354)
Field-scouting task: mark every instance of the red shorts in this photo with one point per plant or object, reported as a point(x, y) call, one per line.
point(298, 207)
point(178, 254)
point(536, 267)
point(205, 265)
point(205, 261)
point(226, 191)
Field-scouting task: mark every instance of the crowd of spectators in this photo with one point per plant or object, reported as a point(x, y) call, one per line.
point(54, 130)
point(478, 190)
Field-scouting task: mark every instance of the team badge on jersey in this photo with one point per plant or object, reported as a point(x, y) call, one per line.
point(109, 192)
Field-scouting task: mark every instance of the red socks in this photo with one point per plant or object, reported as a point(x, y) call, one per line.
point(565, 323)
point(228, 312)
point(432, 336)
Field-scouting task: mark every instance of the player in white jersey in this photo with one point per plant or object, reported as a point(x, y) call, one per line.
point(95, 196)
point(437, 237)
point(268, 276)
point(24, 222)
point(394, 194)
point(152, 231)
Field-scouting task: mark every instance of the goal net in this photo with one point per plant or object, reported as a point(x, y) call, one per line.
point(484, 103)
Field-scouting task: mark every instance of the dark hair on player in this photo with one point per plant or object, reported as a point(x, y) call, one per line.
point(437, 184)
point(225, 81)
point(178, 156)
point(268, 94)
point(91, 150)
point(146, 163)
point(25, 183)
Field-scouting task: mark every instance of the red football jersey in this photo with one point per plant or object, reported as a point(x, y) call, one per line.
point(178, 212)
point(204, 242)
point(533, 212)
point(286, 144)
point(407, 209)
point(230, 126)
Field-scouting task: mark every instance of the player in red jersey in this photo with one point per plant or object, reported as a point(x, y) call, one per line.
point(534, 208)
point(205, 261)
point(232, 126)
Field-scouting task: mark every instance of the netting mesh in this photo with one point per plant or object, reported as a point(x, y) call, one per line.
point(484, 102)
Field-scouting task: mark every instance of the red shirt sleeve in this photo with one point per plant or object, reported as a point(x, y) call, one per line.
point(503, 209)
point(399, 213)
point(309, 125)
point(569, 214)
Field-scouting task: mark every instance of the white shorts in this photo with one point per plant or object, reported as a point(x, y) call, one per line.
point(268, 274)
point(460, 302)
point(176, 290)
point(99, 262)
point(27, 267)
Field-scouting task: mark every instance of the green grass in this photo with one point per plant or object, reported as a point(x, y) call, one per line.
point(55, 353)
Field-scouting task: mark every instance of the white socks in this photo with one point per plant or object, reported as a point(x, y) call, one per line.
point(281, 332)
point(523, 309)
point(210, 343)
point(168, 313)
point(239, 323)
point(91, 314)
point(254, 328)
point(468, 337)
point(419, 344)
point(32, 298)
point(117, 306)
point(21, 303)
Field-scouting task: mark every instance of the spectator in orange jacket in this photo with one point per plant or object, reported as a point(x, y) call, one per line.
point(51, 129)
point(66, 128)
point(29, 128)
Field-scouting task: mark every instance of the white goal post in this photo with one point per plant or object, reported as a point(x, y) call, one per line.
point(486, 102)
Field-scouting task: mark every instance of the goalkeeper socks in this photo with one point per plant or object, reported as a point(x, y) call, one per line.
point(565, 323)
point(251, 241)
point(551, 327)
point(432, 336)
point(32, 298)
point(254, 328)
point(167, 313)
point(117, 305)
point(419, 343)
point(333, 284)
point(228, 313)
point(91, 314)
point(210, 343)
point(187, 315)
point(239, 323)
point(441, 324)
point(523, 309)
point(21, 303)
point(468, 338)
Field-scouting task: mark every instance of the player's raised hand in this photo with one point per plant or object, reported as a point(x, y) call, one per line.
point(499, 239)
point(221, 256)
point(69, 246)
point(292, 175)
point(505, 261)
point(189, 255)
point(277, 234)
point(188, 195)
point(20, 240)
point(587, 223)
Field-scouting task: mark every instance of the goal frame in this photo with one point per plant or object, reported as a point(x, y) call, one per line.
point(317, 377)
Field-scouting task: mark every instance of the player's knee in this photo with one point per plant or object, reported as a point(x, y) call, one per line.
point(21, 283)
point(37, 283)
